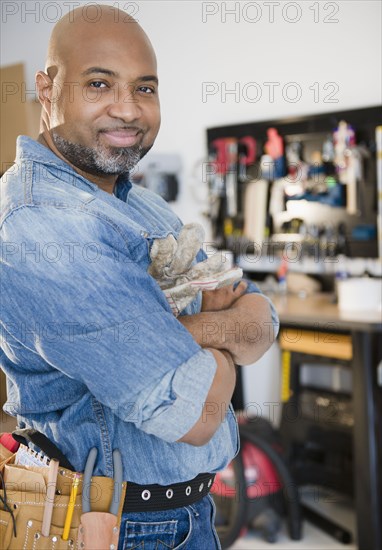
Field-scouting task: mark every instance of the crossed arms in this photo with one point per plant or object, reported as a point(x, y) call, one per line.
point(237, 329)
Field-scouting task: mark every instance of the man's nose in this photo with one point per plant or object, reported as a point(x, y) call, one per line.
point(125, 104)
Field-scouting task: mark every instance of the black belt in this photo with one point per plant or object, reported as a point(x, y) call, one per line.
point(155, 498)
point(139, 498)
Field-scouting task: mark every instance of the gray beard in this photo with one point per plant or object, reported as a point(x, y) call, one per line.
point(99, 160)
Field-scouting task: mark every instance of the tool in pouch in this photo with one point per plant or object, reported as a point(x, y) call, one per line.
point(100, 530)
point(25, 504)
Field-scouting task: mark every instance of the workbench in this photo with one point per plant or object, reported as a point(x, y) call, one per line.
point(315, 325)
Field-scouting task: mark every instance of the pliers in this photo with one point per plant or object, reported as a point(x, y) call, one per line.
point(100, 530)
point(86, 483)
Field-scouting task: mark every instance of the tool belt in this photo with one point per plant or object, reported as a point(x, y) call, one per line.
point(23, 500)
point(23, 494)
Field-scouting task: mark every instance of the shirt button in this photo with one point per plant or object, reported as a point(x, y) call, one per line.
point(146, 494)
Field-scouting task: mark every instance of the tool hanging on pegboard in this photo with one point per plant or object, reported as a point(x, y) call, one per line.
point(230, 159)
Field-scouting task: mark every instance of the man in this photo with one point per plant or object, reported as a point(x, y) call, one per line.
point(93, 354)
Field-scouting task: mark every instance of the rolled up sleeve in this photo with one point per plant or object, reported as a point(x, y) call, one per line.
point(171, 407)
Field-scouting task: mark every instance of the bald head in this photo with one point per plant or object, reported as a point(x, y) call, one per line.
point(99, 91)
point(85, 29)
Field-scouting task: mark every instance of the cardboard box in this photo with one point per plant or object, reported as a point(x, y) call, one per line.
point(20, 114)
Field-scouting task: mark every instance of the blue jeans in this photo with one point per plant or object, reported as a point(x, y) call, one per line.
point(188, 528)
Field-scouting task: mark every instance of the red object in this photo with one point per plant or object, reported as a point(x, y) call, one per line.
point(250, 144)
point(274, 146)
point(9, 442)
point(260, 474)
point(282, 270)
point(224, 155)
point(221, 156)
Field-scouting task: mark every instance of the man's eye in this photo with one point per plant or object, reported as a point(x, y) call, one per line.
point(97, 84)
point(146, 89)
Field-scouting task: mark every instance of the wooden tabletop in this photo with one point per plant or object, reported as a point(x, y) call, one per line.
point(319, 311)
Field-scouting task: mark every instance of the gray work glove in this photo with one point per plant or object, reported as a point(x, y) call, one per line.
point(173, 266)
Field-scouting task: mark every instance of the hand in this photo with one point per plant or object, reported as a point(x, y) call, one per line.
point(244, 329)
point(222, 298)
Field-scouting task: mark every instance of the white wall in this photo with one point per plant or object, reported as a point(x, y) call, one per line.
point(225, 49)
point(345, 51)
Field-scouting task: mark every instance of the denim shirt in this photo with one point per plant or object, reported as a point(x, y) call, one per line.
point(92, 352)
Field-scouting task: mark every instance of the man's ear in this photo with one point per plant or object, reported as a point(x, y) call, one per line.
point(44, 85)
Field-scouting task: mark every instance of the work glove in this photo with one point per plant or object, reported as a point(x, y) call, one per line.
point(173, 266)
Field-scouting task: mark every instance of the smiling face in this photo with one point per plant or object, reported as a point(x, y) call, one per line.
point(100, 94)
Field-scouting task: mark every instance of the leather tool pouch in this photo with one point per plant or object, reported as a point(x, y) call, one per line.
point(23, 495)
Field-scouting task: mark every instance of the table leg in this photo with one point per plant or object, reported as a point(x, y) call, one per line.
point(367, 441)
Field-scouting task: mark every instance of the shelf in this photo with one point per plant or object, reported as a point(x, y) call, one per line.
point(331, 505)
point(356, 267)
point(309, 342)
